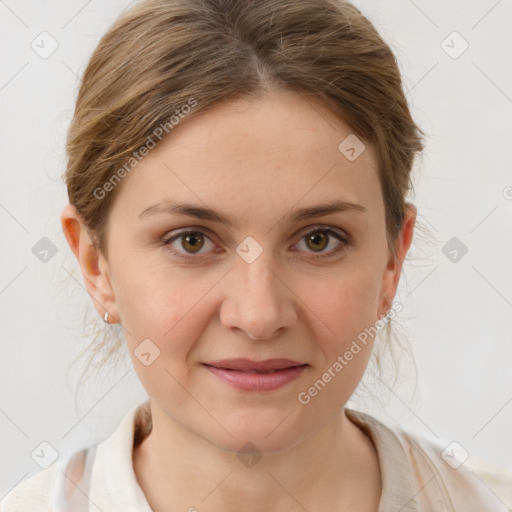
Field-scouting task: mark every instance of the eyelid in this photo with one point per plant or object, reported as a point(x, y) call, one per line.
point(168, 240)
point(341, 235)
point(324, 227)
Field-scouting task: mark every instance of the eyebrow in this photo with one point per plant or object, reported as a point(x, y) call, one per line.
point(201, 212)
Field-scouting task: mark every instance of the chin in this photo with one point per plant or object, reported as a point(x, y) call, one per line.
point(259, 433)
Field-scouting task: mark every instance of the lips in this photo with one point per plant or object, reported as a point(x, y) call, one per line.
point(256, 376)
point(250, 366)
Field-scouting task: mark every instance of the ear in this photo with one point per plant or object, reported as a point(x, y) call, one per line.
point(393, 270)
point(93, 264)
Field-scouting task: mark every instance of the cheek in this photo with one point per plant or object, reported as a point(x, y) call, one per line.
point(163, 323)
point(166, 306)
point(347, 305)
point(344, 303)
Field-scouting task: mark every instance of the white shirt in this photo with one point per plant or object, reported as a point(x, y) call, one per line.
point(415, 476)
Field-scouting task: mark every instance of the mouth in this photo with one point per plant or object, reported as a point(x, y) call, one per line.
point(247, 375)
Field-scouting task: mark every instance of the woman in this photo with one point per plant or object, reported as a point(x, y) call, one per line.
point(237, 178)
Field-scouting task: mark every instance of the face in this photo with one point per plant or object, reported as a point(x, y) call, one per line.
point(264, 277)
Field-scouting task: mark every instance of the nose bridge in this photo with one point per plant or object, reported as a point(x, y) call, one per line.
point(254, 263)
point(256, 301)
point(258, 282)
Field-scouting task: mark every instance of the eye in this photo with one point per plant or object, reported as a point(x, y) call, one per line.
point(191, 241)
point(319, 239)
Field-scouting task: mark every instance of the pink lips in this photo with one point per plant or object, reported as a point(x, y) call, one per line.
point(245, 374)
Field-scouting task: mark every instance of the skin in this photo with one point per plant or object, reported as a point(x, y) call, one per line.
point(255, 162)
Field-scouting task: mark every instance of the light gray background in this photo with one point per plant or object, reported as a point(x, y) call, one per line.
point(457, 314)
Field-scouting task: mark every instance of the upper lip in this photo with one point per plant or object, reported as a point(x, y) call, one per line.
point(242, 364)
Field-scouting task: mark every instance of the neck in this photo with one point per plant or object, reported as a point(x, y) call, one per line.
point(336, 468)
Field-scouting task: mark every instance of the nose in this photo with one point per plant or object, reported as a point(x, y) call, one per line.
point(257, 303)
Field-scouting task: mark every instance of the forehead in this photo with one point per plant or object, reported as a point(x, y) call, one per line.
point(256, 157)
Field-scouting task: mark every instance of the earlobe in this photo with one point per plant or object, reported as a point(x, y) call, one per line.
point(94, 271)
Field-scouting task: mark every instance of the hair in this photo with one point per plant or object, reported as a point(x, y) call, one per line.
point(161, 56)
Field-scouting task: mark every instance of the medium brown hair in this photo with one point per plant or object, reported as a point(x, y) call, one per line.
point(161, 53)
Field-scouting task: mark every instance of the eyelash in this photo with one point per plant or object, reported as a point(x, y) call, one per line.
point(344, 239)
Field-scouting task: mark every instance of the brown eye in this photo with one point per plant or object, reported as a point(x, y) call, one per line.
point(325, 242)
point(192, 242)
point(189, 243)
point(317, 241)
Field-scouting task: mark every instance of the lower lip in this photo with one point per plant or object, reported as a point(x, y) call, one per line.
point(249, 381)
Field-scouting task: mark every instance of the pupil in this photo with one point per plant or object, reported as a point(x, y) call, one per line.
point(192, 240)
point(318, 238)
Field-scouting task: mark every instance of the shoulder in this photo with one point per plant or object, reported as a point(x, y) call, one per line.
point(431, 474)
point(33, 493)
point(50, 486)
point(46, 489)
point(456, 471)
